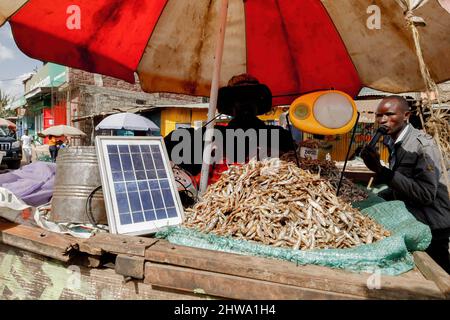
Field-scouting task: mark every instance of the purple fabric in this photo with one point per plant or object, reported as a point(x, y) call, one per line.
point(36, 199)
point(7, 178)
point(23, 187)
point(32, 183)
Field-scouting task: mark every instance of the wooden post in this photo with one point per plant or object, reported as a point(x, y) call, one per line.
point(213, 97)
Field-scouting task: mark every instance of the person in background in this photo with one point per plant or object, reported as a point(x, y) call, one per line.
point(244, 98)
point(26, 146)
point(414, 175)
point(52, 147)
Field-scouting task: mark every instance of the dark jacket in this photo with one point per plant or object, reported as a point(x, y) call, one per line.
point(418, 181)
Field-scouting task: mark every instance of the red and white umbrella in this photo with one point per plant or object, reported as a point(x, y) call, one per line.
point(293, 46)
point(7, 123)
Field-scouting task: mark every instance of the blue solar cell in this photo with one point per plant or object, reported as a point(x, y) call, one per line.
point(125, 219)
point(122, 203)
point(154, 149)
point(117, 176)
point(157, 199)
point(112, 149)
point(161, 214)
point(137, 162)
point(119, 187)
point(148, 162)
point(124, 149)
point(158, 162)
point(146, 200)
point(149, 215)
point(134, 149)
point(126, 162)
point(164, 184)
point(145, 148)
point(154, 185)
point(114, 161)
point(140, 175)
point(132, 186)
point(171, 212)
point(135, 203)
point(151, 174)
point(143, 185)
point(129, 175)
point(161, 174)
point(138, 217)
point(168, 198)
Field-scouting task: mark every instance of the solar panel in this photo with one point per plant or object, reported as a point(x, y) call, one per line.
point(139, 188)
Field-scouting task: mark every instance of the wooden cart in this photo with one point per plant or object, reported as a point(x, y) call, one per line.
point(37, 264)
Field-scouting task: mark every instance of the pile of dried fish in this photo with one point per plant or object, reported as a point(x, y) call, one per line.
point(328, 170)
point(313, 144)
point(277, 203)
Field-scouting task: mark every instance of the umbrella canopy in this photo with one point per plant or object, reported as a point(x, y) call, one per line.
point(293, 46)
point(127, 121)
point(7, 123)
point(62, 130)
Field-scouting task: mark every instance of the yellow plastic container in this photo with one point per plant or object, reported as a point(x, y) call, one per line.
point(327, 112)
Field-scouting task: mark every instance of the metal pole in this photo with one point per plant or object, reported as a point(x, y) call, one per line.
point(213, 97)
point(348, 153)
point(293, 141)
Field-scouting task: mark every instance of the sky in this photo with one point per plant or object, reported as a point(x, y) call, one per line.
point(14, 65)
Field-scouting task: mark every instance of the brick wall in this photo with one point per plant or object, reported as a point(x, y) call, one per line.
point(80, 77)
point(93, 94)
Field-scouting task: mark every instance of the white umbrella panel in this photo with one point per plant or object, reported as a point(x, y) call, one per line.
point(127, 121)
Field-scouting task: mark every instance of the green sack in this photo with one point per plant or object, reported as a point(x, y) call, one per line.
point(389, 256)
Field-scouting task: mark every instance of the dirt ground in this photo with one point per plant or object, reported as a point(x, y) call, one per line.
point(36, 151)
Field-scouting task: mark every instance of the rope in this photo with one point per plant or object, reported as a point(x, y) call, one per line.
point(431, 87)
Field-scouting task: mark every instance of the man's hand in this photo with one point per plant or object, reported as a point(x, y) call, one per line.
point(372, 159)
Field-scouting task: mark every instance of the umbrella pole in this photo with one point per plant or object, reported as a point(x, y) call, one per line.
point(213, 97)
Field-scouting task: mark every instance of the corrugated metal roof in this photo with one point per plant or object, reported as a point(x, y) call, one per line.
point(369, 92)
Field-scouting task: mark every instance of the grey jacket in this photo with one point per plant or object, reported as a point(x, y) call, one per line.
point(418, 181)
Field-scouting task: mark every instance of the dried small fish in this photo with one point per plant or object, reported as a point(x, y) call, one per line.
point(327, 169)
point(259, 206)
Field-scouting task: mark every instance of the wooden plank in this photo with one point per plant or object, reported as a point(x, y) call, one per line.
point(283, 272)
point(87, 260)
point(37, 240)
point(25, 275)
point(85, 247)
point(432, 271)
point(414, 274)
point(130, 266)
point(117, 244)
point(227, 286)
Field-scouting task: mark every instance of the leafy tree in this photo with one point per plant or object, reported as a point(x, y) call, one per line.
point(5, 99)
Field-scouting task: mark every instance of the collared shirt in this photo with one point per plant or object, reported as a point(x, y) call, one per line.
point(392, 146)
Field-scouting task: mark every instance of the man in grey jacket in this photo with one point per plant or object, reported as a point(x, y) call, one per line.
point(414, 175)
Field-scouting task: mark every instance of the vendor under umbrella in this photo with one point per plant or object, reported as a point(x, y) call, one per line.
point(244, 98)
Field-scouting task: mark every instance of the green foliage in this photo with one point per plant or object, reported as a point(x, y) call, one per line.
point(5, 99)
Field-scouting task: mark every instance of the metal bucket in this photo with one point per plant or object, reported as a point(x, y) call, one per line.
point(77, 175)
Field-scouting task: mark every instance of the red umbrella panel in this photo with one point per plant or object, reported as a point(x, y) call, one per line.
point(6, 123)
point(293, 46)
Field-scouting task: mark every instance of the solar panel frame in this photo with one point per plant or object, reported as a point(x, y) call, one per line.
point(128, 181)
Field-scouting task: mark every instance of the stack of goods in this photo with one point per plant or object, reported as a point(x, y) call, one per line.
point(328, 170)
point(279, 204)
point(309, 149)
